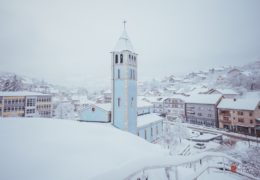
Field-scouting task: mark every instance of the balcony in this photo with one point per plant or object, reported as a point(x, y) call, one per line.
point(225, 113)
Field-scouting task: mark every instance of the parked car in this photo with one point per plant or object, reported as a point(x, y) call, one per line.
point(200, 146)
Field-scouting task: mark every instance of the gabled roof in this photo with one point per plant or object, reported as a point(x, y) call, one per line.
point(240, 104)
point(124, 43)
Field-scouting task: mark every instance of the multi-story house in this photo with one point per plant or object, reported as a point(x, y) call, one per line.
point(25, 104)
point(174, 105)
point(201, 109)
point(157, 102)
point(240, 115)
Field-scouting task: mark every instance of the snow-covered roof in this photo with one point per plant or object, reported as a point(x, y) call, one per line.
point(177, 96)
point(253, 94)
point(124, 43)
point(65, 149)
point(227, 91)
point(142, 103)
point(247, 73)
point(20, 93)
point(204, 98)
point(104, 106)
point(241, 104)
point(155, 99)
point(108, 91)
point(148, 119)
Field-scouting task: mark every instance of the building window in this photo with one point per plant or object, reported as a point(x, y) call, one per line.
point(151, 131)
point(30, 111)
point(118, 73)
point(116, 58)
point(241, 120)
point(121, 58)
point(199, 114)
point(132, 100)
point(250, 113)
point(157, 130)
point(93, 109)
point(145, 135)
point(225, 118)
point(251, 121)
point(209, 115)
point(30, 102)
point(118, 102)
point(240, 113)
point(134, 74)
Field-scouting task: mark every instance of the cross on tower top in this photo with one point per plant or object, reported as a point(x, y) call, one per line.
point(124, 23)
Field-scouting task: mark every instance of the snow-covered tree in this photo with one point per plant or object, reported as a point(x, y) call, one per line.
point(64, 111)
point(173, 134)
point(14, 84)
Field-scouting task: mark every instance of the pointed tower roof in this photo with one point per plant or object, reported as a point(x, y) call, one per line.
point(124, 43)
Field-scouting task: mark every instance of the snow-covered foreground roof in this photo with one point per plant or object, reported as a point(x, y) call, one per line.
point(240, 104)
point(38, 148)
point(146, 119)
point(20, 93)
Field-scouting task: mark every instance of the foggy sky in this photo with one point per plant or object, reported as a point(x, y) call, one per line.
point(69, 42)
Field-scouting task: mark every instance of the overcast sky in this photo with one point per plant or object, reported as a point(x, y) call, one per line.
point(69, 42)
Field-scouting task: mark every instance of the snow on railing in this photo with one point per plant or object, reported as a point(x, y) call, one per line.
point(137, 169)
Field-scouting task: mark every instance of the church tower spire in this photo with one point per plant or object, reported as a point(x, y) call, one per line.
point(124, 84)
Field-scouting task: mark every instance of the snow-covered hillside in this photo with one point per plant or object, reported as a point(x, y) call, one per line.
point(241, 79)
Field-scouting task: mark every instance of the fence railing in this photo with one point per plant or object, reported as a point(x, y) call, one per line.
point(139, 170)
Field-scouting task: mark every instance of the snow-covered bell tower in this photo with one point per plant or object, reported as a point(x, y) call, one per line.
point(124, 84)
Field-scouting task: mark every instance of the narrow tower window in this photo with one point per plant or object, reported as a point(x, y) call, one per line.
point(118, 102)
point(118, 73)
point(132, 100)
point(121, 58)
point(116, 58)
